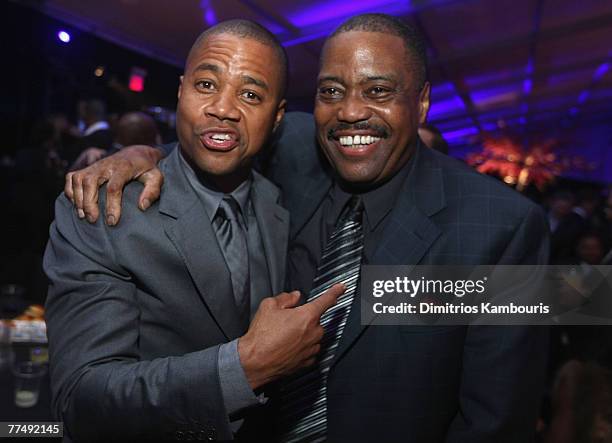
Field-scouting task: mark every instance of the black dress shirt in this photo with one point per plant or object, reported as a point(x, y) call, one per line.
point(306, 249)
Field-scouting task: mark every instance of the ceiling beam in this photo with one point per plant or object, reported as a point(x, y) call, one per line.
point(273, 17)
point(459, 86)
point(540, 74)
point(293, 31)
point(517, 112)
point(529, 68)
point(589, 24)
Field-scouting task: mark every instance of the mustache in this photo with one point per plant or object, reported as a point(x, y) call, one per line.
point(380, 131)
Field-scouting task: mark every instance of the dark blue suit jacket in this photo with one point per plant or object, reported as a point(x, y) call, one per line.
point(429, 383)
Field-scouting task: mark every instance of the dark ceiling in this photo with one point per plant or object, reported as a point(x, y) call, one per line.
point(527, 65)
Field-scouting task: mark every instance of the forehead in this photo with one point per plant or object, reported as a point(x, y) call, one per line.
point(235, 53)
point(362, 53)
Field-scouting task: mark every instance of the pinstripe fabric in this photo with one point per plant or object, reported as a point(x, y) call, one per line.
point(304, 406)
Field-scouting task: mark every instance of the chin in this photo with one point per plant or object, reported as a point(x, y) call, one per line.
point(215, 169)
point(356, 177)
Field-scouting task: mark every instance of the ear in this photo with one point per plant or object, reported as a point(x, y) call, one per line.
point(180, 88)
point(424, 103)
point(280, 113)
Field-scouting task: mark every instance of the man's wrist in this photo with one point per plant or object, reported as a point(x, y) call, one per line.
point(255, 375)
point(236, 391)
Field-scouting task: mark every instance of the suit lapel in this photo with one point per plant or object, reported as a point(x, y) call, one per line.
point(304, 197)
point(408, 234)
point(273, 223)
point(188, 227)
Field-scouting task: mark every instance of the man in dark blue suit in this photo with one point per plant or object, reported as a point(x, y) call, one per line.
point(414, 206)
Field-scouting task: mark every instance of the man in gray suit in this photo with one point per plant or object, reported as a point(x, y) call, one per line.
point(148, 323)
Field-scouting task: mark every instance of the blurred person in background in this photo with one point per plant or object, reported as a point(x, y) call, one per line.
point(589, 248)
point(96, 129)
point(133, 128)
point(36, 178)
point(581, 404)
point(565, 226)
point(588, 206)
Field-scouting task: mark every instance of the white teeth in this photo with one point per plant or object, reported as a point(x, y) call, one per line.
point(358, 140)
point(220, 136)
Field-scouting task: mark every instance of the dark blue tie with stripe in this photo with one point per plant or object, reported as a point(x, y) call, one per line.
point(304, 395)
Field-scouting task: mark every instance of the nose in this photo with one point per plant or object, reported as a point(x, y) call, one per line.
point(223, 106)
point(352, 109)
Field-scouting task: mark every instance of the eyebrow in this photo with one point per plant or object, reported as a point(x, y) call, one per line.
point(207, 67)
point(372, 78)
point(369, 78)
point(330, 78)
point(248, 80)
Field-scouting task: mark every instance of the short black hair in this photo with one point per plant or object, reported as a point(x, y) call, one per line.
point(249, 29)
point(387, 24)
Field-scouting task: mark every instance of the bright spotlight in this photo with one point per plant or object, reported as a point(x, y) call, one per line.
point(63, 36)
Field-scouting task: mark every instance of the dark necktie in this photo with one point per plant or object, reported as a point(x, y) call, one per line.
point(304, 396)
point(232, 240)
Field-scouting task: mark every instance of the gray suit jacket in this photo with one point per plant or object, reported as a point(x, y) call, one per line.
point(136, 313)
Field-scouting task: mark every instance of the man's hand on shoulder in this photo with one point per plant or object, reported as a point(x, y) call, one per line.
point(137, 162)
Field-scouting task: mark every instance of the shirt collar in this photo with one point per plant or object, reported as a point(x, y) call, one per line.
point(97, 126)
point(211, 198)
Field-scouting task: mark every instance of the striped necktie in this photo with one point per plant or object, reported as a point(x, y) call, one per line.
point(304, 395)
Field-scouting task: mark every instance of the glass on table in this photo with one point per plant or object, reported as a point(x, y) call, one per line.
point(28, 377)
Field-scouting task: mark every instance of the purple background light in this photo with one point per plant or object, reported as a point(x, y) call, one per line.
point(321, 12)
point(210, 17)
point(63, 36)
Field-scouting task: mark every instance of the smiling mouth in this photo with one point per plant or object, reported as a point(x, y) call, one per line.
point(356, 146)
point(357, 141)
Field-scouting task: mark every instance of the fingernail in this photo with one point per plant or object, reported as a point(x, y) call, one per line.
point(110, 220)
point(81, 213)
point(90, 219)
point(145, 204)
